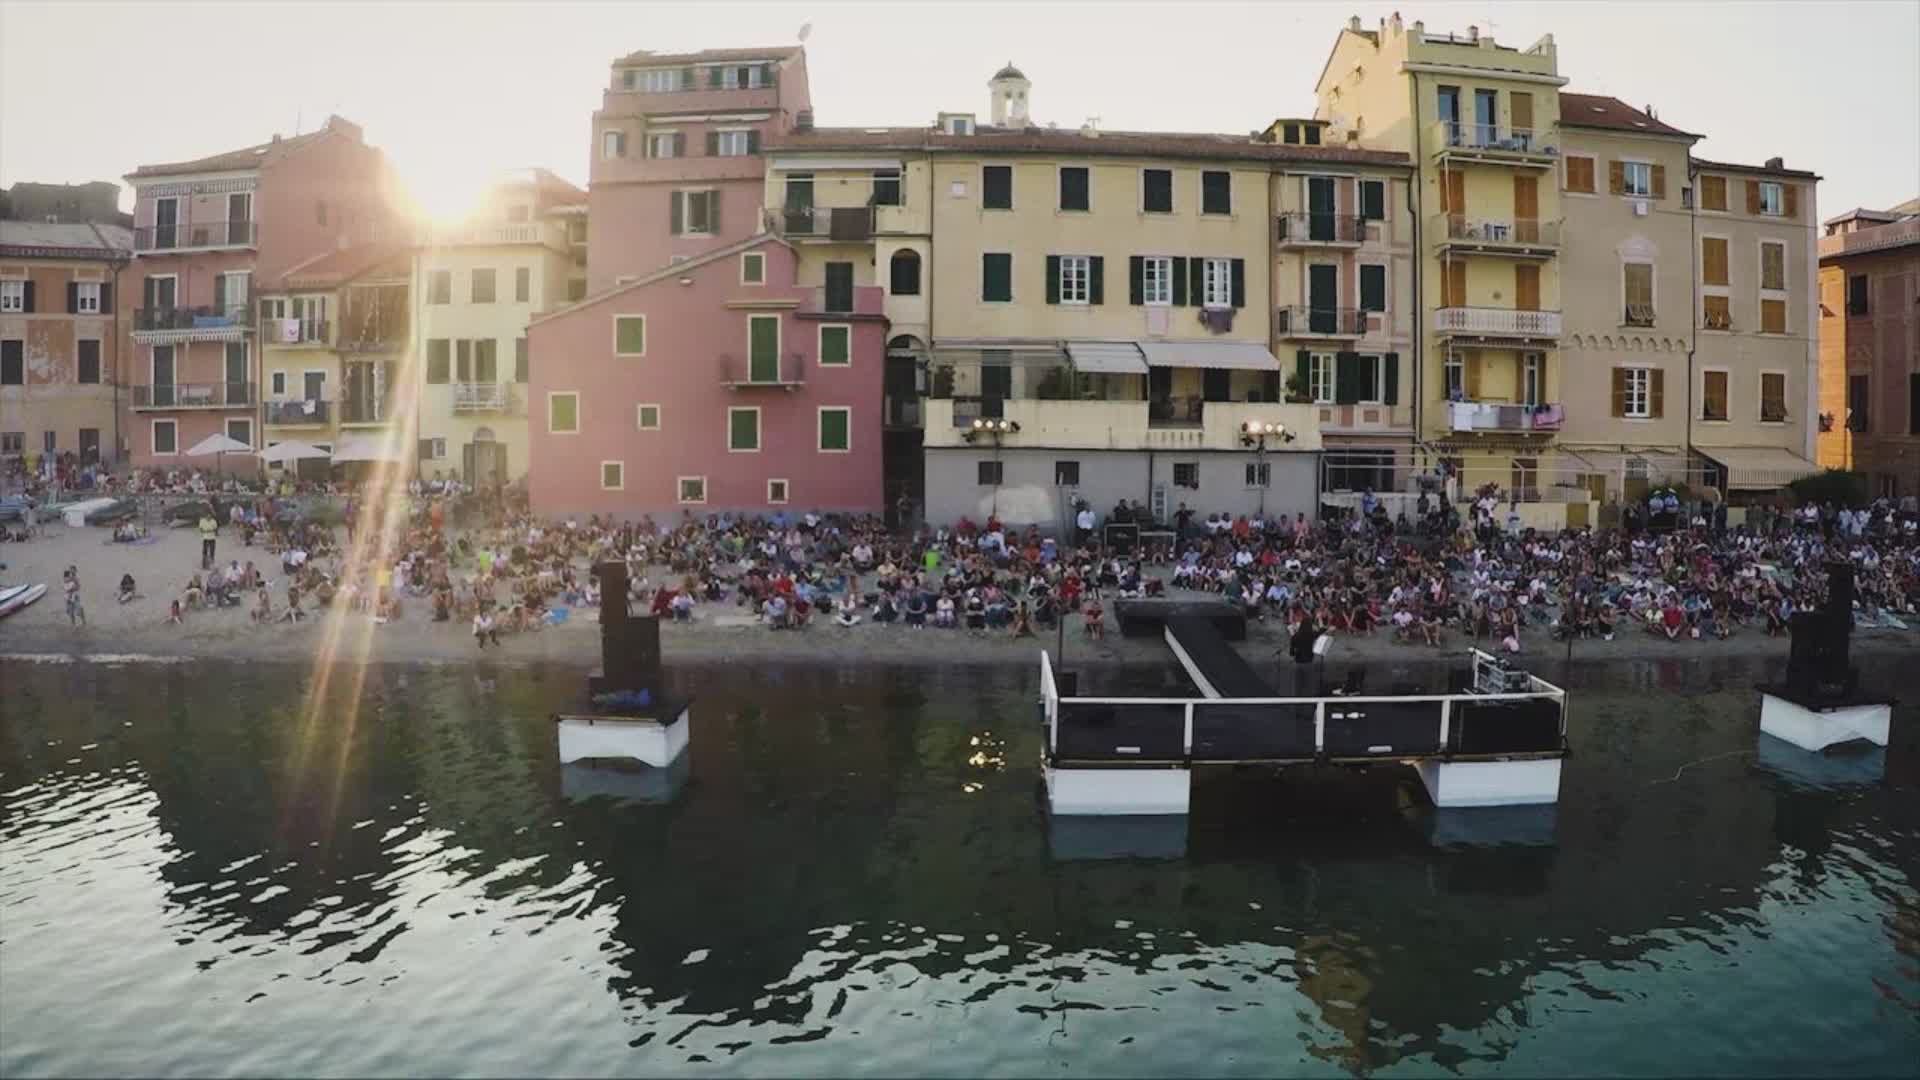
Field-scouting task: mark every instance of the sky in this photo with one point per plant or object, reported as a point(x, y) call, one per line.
point(456, 91)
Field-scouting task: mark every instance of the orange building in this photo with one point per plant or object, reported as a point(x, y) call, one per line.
point(1870, 347)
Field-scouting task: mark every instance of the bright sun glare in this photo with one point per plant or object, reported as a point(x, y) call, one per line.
point(444, 191)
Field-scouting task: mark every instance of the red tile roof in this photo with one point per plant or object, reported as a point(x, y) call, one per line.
point(249, 158)
point(1612, 114)
point(1056, 141)
point(342, 265)
point(706, 56)
point(1700, 164)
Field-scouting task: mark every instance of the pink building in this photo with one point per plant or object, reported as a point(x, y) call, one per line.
point(715, 384)
point(677, 166)
point(204, 231)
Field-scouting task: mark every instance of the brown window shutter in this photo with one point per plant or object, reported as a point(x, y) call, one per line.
point(1616, 177)
point(1456, 282)
point(1521, 105)
point(1713, 260)
point(1753, 196)
point(1659, 181)
point(1580, 175)
point(1473, 375)
point(1791, 197)
point(1526, 287)
point(1619, 392)
point(1659, 395)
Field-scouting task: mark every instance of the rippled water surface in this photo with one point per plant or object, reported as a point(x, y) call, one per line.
point(213, 869)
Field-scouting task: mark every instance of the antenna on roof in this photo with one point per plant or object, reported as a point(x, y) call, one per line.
point(805, 29)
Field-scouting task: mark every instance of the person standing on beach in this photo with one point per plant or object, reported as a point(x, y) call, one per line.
point(76, 614)
point(209, 528)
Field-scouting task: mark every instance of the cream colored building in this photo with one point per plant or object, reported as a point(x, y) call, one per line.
point(477, 284)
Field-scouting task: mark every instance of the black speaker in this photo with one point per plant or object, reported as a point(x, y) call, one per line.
point(613, 591)
point(630, 652)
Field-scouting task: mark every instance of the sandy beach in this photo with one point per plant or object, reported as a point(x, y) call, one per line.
point(720, 632)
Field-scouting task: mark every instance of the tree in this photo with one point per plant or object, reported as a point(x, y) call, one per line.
point(1836, 486)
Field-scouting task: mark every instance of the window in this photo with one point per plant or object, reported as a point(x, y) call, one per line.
point(647, 417)
point(1076, 275)
point(1580, 174)
point(240, 430)
point(1373, 287)
point(996, 187)
point(15, 442)
point(763, 348)
point(661, 80)
point(1066, 474)
point(1156, 280)
point(1713, 193)
point(482, 286)
point(439, 353)
point(1637, 179)
point(576, 289)
point(1637, 287)
point(613, 475)
point(886, 187)
point(694, 213)
point(1455, 371)
point(1857, 294)
point(1073, 187)
point(88, 361)
point(486, 361)
point(1857, 408)
point(1773, 266)
point(520, 360)
point(1320, 370)
point(1773, 199)
point(1533, 379)
point(522, 284)
point(1217, 276)
point(835, 429)
point(836, 345)
point(1373, 200)
point(86, 298)
point(959, 125)
point(439, 286)
point(989, 473)
point(613, 144)
point(1216, 192)
point(753, 268)
point(1259, 474)
point(693, 489)
point(776, 492)
point(1156, 191)
point(1637, 387)
point(1773, 397)
point(166, 437)
point(563, 413)
point(732, 143)
point(996, 277)
point(278, 384)
point(1713, 395)
point(629, 335)
point(905, 273)
point(434, 448)
point(1913, 403)
point(666, 144)
point(1186, 474)
point(13, 362)
point(1773, 316)
point(1716, 313)
point(13, 296)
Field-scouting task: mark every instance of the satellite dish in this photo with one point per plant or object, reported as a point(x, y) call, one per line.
point(805, 29)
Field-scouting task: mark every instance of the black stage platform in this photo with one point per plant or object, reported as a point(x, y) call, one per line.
point(1147, 618)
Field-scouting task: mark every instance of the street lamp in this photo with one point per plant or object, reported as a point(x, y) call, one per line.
point(995, 429)
point(1254, 434)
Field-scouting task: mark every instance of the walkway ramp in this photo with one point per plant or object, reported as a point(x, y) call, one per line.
point(1211, 663)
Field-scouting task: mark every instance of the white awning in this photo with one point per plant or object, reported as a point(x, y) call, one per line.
point(1760, 468)
point(1107, 357)
point(1233, 355)
point(364, 448)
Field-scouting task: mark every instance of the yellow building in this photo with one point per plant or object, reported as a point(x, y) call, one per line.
point(1479, 120)
point(477, 284)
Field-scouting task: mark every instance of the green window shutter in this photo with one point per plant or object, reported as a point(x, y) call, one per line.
point(1097, 279)
point(834, 345)
point(1053, 279)
point(1373, 288)
point(1239, 283)
point(713, 141)
point(764, 349)
point(106, 298)
point(1179, 281)
point(1197, 280)
point(1136, 280)
point(519, 360)
point(563, 413)
point(463, 367)
point(631, 334)
point(713, 212)
point(676, 220)
point(743, 430)
point(439, 352)
point(714, 77)
point(73, 298)
point(1391, 394)
point(753, 142)
point(1303, 370)
point(996, 276)
point(1346, 378)
point(833, 429)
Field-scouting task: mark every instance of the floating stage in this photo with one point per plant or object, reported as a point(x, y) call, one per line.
point(1821, 703)
point(1497, 740)
point(629, 715)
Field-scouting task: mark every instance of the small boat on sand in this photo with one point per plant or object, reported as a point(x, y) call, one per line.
point(15, 597)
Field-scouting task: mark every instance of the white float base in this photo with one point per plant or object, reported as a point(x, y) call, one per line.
point(650, 741)
point(1118, 791)
point(1814, 729)
point(1492, 783)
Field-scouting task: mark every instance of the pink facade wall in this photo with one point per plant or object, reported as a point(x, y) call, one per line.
point(631, 225)
point(355, 182)
point(695, 341)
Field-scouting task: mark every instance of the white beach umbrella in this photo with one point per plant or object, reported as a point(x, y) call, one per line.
point(218, 444)
point(292, 451)
point(367, 449)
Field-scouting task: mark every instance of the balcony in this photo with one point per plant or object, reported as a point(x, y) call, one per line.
point(484, 397)
point(840, 225)
point(365, 411)
point(1525, 238)
point(1491, 416)
point(1494, 145)
point(195, 236)
point(1300, 322)
point(290, 332)
point(549, 234)
point(161, 325)
point(300, 413)
point(1486, 322)
point(762, 374)
point(690, 90)
point(219, 395)
point(867, 303)
point(1106, 425)
point(1303, 229)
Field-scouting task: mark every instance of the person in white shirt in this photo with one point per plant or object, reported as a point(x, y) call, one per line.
point(1083, 524)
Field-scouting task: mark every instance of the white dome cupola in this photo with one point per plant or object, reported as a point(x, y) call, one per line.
point(1009, 89)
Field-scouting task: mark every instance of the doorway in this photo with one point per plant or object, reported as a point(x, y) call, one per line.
point(1323, 298)
point(839, 286)
point(1320, 212)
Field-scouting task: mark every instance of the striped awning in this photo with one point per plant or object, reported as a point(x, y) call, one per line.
point(1759, 468)
point(1107, 357)
point(1232, 355)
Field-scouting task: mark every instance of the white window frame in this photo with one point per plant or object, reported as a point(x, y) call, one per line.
point(277, 381)
point(1258, 474)
point(13, 296)
point(759, 433)
point(1629, 170)
point(820, 345)
point(618, 316)
point(656, 80)
point(1156, 270)
point(613, 144)
point(1386, 287)
point(640, 416)
point(1760, 270)
point(758, 258)
point(227, 429)
point(786, 491)
point(1360, 202)
point(685, 195)
point(555, 395)
point(620, 484)
point(1320, 373)
point(86, 297)
point(436, 448)
point(731, 138)
point(1786, 390)
point(1533, 368)
point(819, 428)
point(1702, 392)
point(959, 125)
point(1773, 198)
point(680, 490)
point(156, 278)
point(1077, 271)
point(1216, 281)
point(1450, 364)
point(1653, 290)
point(1639, 385)
point(1379, 363)
point(153, 438)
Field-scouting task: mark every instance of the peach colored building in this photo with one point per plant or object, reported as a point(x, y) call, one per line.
point(1870, 347)
point(60, 340)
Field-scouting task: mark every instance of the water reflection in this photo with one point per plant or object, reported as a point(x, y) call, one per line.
point(855, 873)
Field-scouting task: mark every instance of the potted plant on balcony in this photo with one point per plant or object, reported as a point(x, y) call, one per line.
point(942, 381)
point(1297, 391)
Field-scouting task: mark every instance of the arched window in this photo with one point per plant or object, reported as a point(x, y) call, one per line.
point(906, 273)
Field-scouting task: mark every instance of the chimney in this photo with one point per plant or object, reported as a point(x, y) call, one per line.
point(1776, 163)
point(1651, 115)
point(1473, 33)
point(1353, 24)
point(803, 120)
